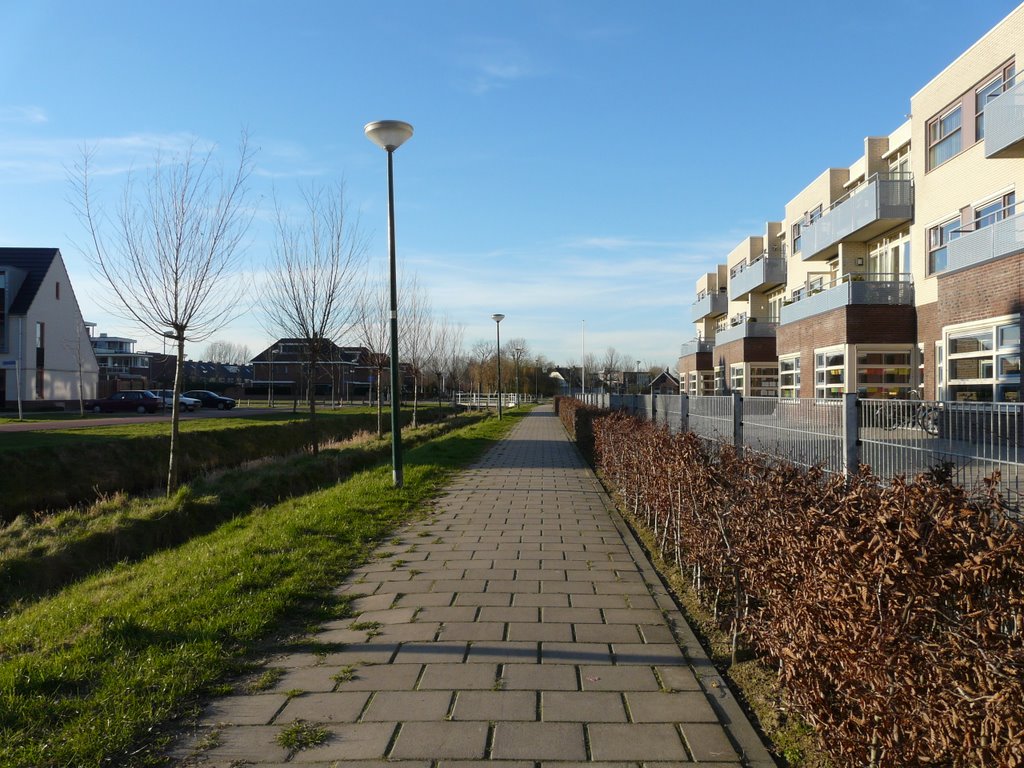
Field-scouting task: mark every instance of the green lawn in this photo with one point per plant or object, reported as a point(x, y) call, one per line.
point(89, 675)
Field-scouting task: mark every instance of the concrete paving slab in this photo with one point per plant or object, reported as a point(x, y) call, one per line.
point(519, 623)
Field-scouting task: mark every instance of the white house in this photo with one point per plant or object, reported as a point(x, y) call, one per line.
point(45, 352)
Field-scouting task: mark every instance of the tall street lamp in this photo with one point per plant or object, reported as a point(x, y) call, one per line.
point(389, 135)
point(497, 318)
point(519, 353)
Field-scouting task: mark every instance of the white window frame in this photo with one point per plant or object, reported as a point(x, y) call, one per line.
point(894, 389)
point(789, 381)
point(826, 390)
point(998, 381)
point(737, 377)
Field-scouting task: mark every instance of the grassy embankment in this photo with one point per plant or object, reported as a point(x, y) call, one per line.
point(53, 469)
point(91, 674)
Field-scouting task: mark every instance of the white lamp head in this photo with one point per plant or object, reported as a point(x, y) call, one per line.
point(496, 317)
point(388, 134)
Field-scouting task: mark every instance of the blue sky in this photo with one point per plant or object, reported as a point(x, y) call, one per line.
point(573, 161)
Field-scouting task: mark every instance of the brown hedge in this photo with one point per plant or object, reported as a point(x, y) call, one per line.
point(894, 613)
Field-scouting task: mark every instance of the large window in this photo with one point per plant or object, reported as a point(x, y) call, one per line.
point(719, 379)
point(736, 377)
point(829, 374)
point(983, 362)
point(764, 380)
point(985, 93)
point(692, 384)
point(796, 237)
point(945, 137)
point(939, 238)
point(789, 376)
point(995, 210)
point(884, 373)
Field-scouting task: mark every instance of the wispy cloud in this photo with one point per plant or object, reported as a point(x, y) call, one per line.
point(31, 115)
point(32, 159)
point(495, 63)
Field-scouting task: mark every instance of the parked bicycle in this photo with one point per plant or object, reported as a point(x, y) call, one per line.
point(907, 414)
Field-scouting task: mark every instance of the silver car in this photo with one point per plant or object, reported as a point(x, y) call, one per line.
point(167, 398)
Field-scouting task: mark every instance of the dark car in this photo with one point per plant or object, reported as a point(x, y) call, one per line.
point(137, 400)
point(211, 399)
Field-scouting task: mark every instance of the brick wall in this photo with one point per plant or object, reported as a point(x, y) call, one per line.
point(856, 324)
point(928, 332)
point(987, 290)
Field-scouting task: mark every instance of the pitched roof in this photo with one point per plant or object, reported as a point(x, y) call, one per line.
point(35, 263)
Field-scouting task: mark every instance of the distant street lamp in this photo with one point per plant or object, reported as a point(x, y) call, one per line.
point(638, 376)
point(273, 350)
point(497, 318)
point(389, 135)
point(518, 351)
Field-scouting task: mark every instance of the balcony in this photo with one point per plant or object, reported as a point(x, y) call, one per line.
point(746, 329)
point(846, 291)
point(765, 272)
point(1004, 123)
point(884, 202)
point(696, 346)
point(1001, 238)
point(710, 305)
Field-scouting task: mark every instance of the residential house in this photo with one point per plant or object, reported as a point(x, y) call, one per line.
point(45, 355)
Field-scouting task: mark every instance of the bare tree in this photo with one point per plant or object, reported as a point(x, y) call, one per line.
point(315, 282)
point(519, 349)
point(227, 352)
point(612, 366)
point(171, 250)
point(75, 346)
point(374, 332)
point(417, 324)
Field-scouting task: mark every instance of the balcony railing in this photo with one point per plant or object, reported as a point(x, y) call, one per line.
point(710, 305)
point(1001, 238)
point(885, 201)
point(765, 272)
point(1004, 122)
point(848, 290)
point(745, 330)
point(695, 346)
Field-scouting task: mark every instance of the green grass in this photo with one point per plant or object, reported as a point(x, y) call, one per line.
point(51, 470)
point(38, 556)
point(91, 674)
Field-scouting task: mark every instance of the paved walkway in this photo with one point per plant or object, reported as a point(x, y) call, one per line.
point(519, 625)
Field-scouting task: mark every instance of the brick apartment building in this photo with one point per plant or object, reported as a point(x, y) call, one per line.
point(902, 272)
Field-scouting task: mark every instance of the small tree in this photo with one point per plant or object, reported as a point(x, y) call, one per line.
point(171, 250)
point(374, 332)
point(417, 324)
point(315, 282)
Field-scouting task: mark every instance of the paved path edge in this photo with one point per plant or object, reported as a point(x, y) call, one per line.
point(730, 712)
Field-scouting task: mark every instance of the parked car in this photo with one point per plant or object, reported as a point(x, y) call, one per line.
point(138, 400)
point(167, 398)
point(211, 399)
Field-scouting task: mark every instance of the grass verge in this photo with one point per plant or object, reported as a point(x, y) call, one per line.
point(58, 468)
point(40, 555)
point(87, 674)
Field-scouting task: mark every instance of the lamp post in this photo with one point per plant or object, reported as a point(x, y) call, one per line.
point(497, 318)
point(638, 376)
point(519, 353)
point(389, 135)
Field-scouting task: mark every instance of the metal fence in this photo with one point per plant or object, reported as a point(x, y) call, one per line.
point(970, 441)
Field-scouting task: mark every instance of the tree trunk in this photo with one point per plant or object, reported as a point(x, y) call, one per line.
point(380, 403)
point(172, 461)
point(415, 399)
point(311, 394)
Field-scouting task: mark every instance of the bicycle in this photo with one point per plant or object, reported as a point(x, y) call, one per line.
point(906, 415)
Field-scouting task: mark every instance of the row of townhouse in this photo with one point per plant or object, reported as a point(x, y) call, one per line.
point(903, 272)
